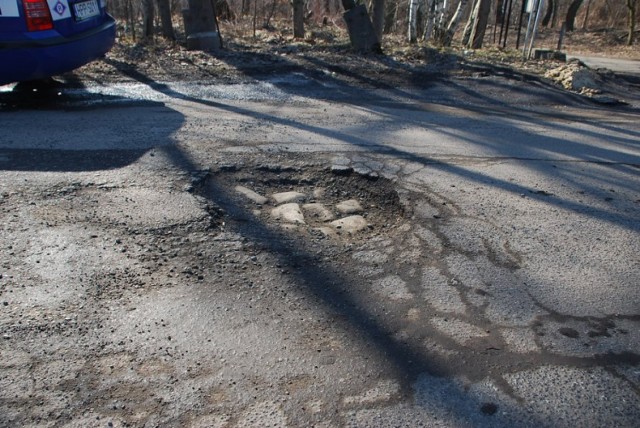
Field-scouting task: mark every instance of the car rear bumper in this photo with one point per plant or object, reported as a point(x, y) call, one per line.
point(38, 59)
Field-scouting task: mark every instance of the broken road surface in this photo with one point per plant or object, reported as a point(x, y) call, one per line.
point(298, 253)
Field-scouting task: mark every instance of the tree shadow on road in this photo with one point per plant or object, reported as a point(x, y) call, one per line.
point(522, 143)
point(407, 361)
point(102, 133)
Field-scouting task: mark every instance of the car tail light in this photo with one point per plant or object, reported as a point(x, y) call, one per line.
point(37, 15)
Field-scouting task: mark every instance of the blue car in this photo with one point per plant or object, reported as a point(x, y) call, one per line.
point(44, 38)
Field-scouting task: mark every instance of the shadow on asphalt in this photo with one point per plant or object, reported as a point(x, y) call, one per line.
point(67, 105)
point(482, 132)
point(54, 160)
point(406, 360)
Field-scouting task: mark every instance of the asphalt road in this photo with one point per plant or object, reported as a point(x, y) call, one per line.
point(494, 282)
point(617, 65)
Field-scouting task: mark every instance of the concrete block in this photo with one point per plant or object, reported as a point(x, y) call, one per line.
point(549, 54)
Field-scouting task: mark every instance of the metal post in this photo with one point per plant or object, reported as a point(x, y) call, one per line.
point(528, 33)
point(561, 38)
point(534, 32)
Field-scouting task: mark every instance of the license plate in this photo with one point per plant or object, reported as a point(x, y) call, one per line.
point(86, 9)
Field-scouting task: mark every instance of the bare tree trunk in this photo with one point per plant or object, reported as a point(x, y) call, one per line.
point(391, 17)
point(272, 11)
point(437, 29)
point(413, 21)
point(431, 16)
point(466, 34)
point(377, 18)
point(478, 19)
point(164, 10)
point(131, 20)
point(298, 19)
point(547, 16)
point(148, 15)
point(631, 20)
point(255, 18)
point(246, 7)
point(554, 19)
point(571, 14)
point(453, 23)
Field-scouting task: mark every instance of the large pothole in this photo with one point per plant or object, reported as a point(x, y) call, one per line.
point(308, 200)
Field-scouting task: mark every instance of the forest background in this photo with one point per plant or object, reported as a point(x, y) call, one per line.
point(466, 23)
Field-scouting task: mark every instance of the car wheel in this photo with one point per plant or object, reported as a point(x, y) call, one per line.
point(41, 86)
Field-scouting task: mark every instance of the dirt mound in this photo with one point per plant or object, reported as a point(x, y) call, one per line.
point(575, 76)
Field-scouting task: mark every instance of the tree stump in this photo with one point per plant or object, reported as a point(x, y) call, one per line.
point(200, 26)
point(363, 37)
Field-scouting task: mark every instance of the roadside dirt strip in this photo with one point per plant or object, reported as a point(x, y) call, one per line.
point(326, 263)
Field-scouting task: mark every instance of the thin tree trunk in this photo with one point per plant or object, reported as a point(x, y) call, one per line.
point(164, 10)
point(131, 20)
point(631, 20)
point(272, 11)
point(507, 23)
point(298, 19)
point(377, 18)
point(452, 27)
point(554, 20)
point(547, 16)
point(468, 28)
point(255, 18)
point(438, 29)
point(430, 18)
point(586, 15)
point(571, 14)
point(391, 17)
point(426, 14)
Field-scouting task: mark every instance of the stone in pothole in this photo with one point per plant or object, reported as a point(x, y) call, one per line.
point(340, 160)
point(351, 224)
point(251, 195)
point(318, 212)
point(289, 213)
point(319, 192)
point(287, 197)
point(349, 207)
point(327, 232)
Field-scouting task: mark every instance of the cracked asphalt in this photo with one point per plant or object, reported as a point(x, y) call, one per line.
point(148, 276)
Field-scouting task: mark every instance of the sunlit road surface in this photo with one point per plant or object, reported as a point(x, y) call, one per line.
point(494, 283)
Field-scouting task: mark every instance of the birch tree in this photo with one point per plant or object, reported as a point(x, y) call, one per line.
point(413, 20)
point(477, 24)
point(433, 12)
point(454, 22)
